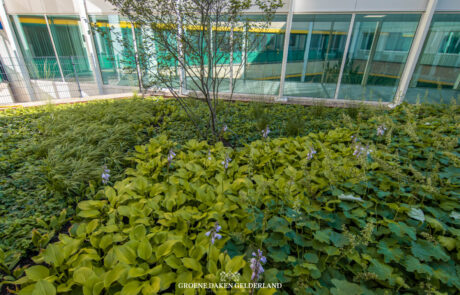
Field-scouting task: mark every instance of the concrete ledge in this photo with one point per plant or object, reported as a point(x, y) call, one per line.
point(66, 100)
point(307, 101)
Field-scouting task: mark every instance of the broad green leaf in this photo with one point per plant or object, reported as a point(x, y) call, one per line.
point(425, 250)
point(82, 275)
point(390, 253)
point(125, 254)
point(135, 272)
point(447, 242)
point(144, 250)
point(89, 213)
point(139, 232)
point(236, 264)
point(343, 287)
point(166, 248)
point(132, 288)
point(166, 279)
point(54, 255)
point(43, 287)
point(37, 272)
point(114, 274)
point(417, 214)
point(192, 264)
point(323, 236)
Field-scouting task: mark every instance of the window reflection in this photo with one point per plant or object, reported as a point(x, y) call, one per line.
point(378, 51)
point(315, 56)
point(437, 75)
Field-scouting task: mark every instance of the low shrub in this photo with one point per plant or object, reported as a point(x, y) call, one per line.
point(53, 156)
point(333, 213)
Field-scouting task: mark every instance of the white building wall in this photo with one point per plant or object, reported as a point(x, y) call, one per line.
point(102, 7)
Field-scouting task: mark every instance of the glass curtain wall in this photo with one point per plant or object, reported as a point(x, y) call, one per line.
point(378, 52)
point(316, 49)
point(262, 56)
point(70, 47)
point(221, 37)
point(113, 39)
point(437, 75)
point(37, 48)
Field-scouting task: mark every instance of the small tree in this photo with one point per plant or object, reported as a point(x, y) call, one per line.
point(193, 43)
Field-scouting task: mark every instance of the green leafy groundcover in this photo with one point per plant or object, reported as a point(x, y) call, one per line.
point(51, 157)
point(332, 212)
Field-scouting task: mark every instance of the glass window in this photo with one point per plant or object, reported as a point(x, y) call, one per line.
point(378, 52)
point(314, 62)
point(437, 75)
point(70, 47)
point(113, 40)
point(37, 48)
point(263, 50)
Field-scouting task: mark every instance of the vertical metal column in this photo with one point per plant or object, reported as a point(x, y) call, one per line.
point(232, 29)
point(180, 31)
point(54, 48)
point(90, 47)
point(244, 50)
point(21, 65)
point(76, 76)
point(326, 59)
point(287, 38)
point(372, 51)
point(415, 51)
point(136, 55)
point(345, 55)
point(457, 83)
point(307, 52)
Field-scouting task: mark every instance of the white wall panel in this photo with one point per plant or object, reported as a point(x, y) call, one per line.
point(448, 5)
point(40, 7)
point(59, 6)
point(300, 6)
point(311, 6)
point(99, 7)
point(24, 6)
point(391, 5)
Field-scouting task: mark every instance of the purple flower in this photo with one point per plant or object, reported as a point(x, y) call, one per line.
point(256, 264)
point(265, 132)
point(214, 233)
point(226, 161)
point(209, 156)
point(105, 175)
point(311, 153)
point(171, 156)
point(381, 130)
point(224, 129)
point(354, 138)
point(361, 150)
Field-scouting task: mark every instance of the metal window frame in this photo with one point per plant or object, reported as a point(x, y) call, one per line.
point(287, 39)
point(54, 48)
point(16, 50)
point(415, 51)
point(90, 47)
point(345, 55)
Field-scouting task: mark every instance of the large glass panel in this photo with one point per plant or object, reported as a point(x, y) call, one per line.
point(316, 48)
point(264, 54)
point(378, 52)
point(221, 37)
point(437, 75)
point(70, 47)
point(113, 39)
point(37, 48)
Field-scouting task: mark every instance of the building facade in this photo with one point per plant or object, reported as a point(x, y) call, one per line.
point(371, 50)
